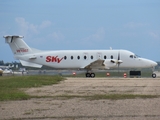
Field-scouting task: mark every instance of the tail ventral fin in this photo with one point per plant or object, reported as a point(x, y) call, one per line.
point(29, 64)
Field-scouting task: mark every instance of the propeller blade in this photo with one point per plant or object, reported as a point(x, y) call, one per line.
point(118, 56)
point(118, 61)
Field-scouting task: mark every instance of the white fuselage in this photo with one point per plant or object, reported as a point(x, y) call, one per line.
point(81, 58)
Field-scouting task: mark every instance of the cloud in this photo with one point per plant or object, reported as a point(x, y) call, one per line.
point(33, 28)
point(28, 28)
point(154, 35)
point(57, 36)
point(128, 34)
point(45, 24)
point(98, 36)
point(23, 25)
point(133, 25)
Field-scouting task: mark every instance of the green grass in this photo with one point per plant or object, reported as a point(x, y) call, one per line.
point(101, 96)
point(121, 96)
point(10, 86)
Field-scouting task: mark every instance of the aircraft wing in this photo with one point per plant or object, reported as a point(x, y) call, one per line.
point(96, 64)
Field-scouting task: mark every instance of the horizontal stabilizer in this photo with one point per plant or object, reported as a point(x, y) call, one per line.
point(9, 38)
point(29, 64)
point(17, 45)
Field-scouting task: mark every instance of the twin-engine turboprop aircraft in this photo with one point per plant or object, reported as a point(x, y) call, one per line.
point(76, 59)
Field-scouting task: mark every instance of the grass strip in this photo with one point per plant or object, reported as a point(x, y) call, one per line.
point(121, 96)
point(10, 85)
point(101, 97)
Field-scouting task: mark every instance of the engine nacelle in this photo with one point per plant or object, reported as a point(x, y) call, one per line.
point(108, 64)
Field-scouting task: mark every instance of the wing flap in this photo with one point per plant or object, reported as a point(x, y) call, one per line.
point(96, 64)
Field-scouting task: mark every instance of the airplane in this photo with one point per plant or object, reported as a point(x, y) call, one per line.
point(7, 71)
point(6, 67)
point(76, 59)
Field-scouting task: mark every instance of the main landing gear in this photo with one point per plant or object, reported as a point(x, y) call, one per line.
point(92, 75)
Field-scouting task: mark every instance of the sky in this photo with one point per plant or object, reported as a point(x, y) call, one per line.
point(133, 25)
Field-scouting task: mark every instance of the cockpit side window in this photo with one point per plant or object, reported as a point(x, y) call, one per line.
point(136, 56)
point(131, 56)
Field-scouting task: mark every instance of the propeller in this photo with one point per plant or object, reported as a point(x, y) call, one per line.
point(118, 61)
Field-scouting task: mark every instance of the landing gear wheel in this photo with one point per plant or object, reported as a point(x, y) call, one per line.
point(92, 75)
point(154, 75)
point(88, 75)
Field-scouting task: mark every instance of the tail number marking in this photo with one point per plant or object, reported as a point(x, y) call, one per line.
point(53, 59)
point(22, 50)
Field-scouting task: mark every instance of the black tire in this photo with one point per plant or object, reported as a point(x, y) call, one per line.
point(88, 75)
point(92, 75)
point(154, 75)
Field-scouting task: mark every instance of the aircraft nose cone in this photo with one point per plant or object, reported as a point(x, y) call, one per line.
point(154, 63)
point(148, 63)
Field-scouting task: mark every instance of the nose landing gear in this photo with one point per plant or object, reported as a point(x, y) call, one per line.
point(154, 75)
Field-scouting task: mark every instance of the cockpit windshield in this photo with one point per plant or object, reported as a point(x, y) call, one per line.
point(133, 56)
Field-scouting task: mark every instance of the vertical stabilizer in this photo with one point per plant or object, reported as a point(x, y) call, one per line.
point(17, 45)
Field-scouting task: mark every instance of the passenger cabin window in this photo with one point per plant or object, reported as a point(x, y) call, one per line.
point(78, 57)
point(85, 57)
point(71, 57)
point(91, 57)
point(105, 57)
point(111, 56)
point(65, 57)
